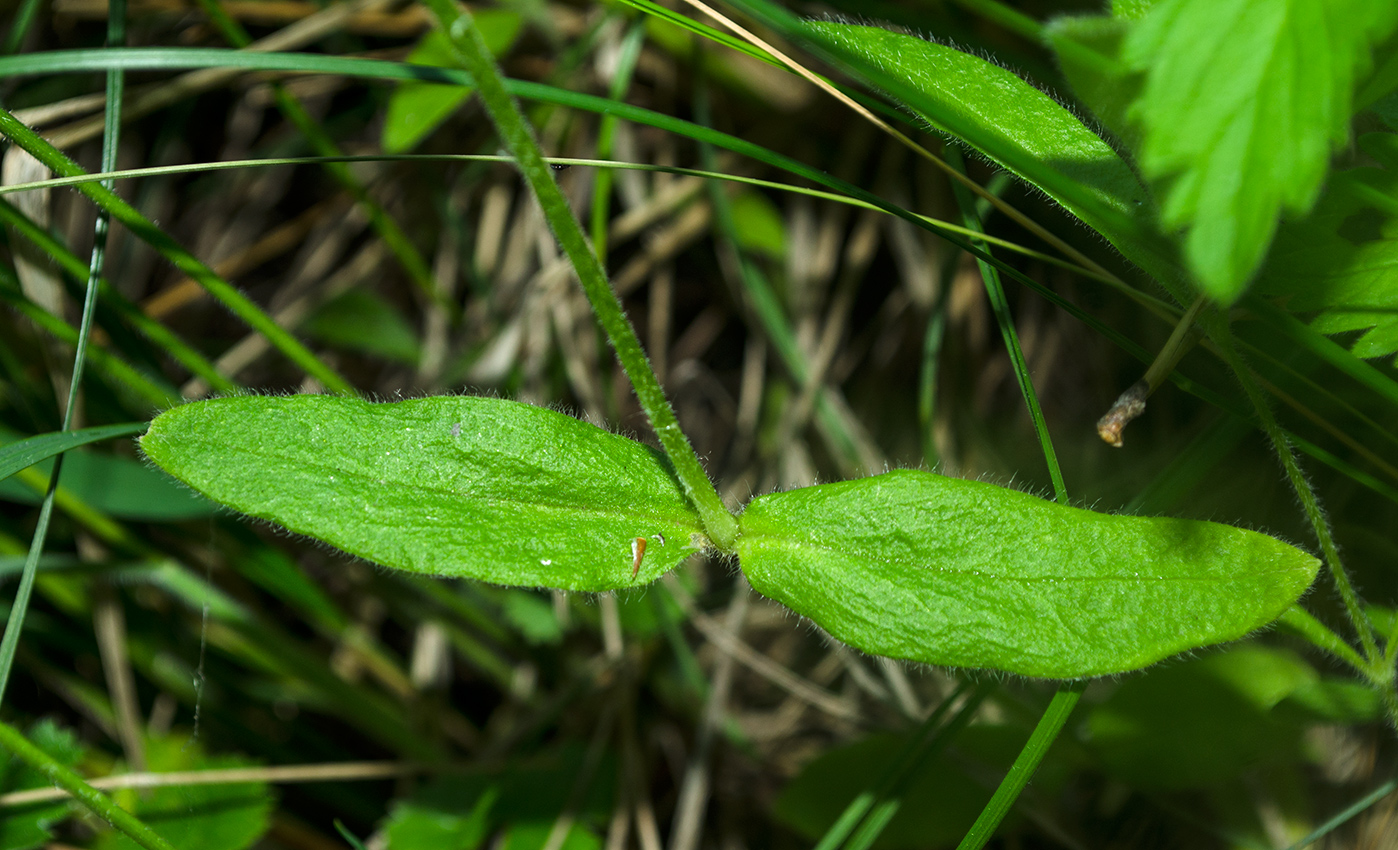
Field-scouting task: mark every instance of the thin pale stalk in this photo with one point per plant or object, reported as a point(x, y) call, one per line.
point(719, 524)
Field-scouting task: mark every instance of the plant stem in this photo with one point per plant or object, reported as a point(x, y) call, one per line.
point(100, 804)
point(1222, 336)
point(995, 292)
point(1025, 764)
point(518, 137)
point(1132, 403)
point(1307, 626)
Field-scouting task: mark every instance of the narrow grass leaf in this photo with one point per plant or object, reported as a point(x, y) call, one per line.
point(966, 574)
point(475, 487)
point(32, 450)
point(1243, 102)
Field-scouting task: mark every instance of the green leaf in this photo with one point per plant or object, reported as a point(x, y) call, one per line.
point(1089, 49)
point(416, 827)
point(1244, 101)
point(24, 827)
point(1200, 722)
point(1340, 261)
point(416, 109)
point(939, 803)
point(1333, 700)
point(966, 574)
point(195, 817)
point(1017, 126)
point(362, 321)
point(118, 486)
point(759, 225)
point(475, 487)
point(31, 450)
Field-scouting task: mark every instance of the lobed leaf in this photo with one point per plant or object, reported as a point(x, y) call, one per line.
point(476, 487)
point(1243, 102)
point(966, 574)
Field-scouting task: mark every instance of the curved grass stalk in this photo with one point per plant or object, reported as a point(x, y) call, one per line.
point(1050, 724)
point(517, 135)
point(120, 372)
point(995, 292)
point(14, 623)
point(11, 738)
point(146, 230)
point(609, 164)
point(153, 330)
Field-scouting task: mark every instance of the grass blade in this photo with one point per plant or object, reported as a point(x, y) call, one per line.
point(26, 453)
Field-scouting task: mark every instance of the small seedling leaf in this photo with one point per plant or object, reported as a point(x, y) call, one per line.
point(962, 573)
point(475, 487)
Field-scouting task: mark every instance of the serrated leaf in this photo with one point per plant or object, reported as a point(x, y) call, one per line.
point(1017, 126)
point(1341, 261)
point(966, 574)
point(475, 487)
point(416, 109)
point(1244, 101)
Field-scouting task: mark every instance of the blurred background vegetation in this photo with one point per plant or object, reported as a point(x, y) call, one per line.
point(800, 339)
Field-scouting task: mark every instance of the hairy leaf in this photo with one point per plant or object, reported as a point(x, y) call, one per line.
point(1018, 127)
point(1089, 50)
point(962, 573)
point(476, 487)
point(1243, 102)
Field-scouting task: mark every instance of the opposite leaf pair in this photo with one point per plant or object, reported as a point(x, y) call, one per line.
point(907, 564)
